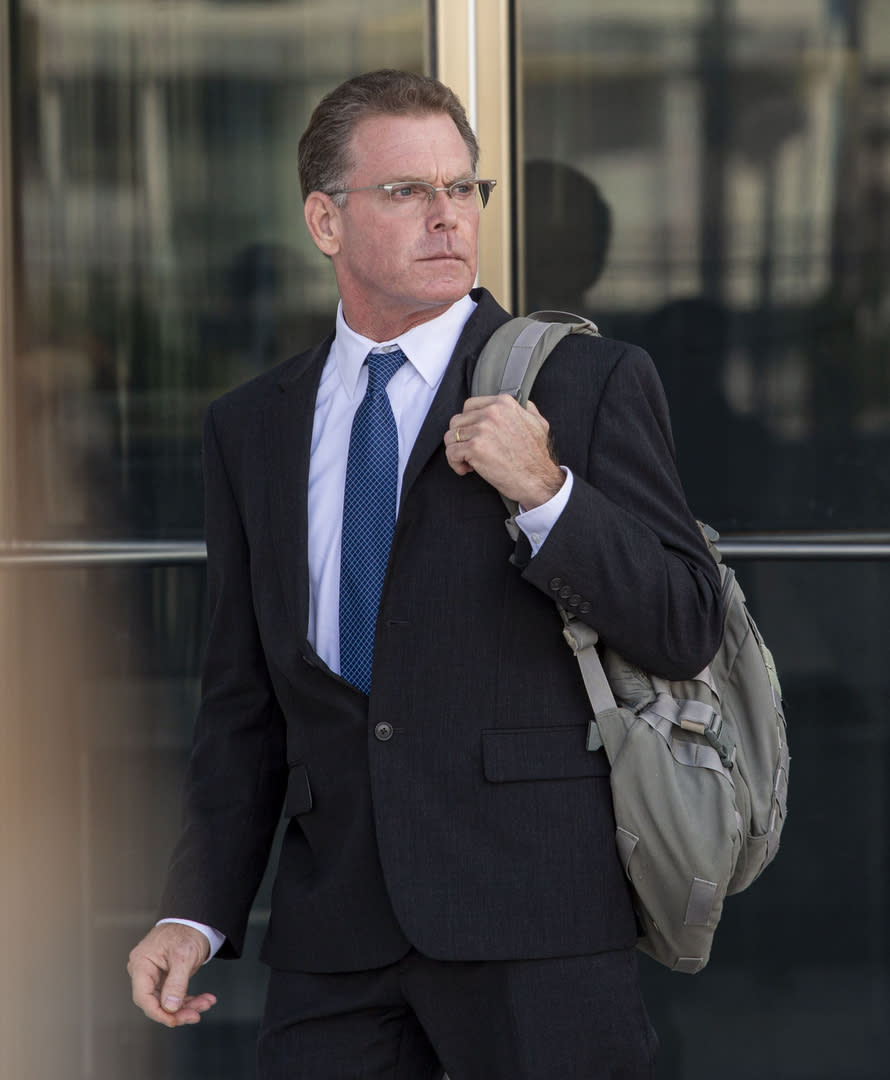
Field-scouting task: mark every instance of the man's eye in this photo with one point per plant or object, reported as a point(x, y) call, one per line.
point(406, 192)
point(463, 190)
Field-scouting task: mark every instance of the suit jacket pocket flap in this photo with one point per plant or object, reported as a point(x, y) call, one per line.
point(299, 795)
point(551, 753)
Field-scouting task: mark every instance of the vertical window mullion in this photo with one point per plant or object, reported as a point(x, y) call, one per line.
point(474, 56)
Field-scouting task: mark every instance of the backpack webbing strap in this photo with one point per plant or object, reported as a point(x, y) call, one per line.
point(694, 755)
point(694, 716)
point(582, 641)
point(508, 364)
point(519, 358)
point(515, 352)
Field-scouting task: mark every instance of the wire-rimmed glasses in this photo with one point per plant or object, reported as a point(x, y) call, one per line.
point(420, 194)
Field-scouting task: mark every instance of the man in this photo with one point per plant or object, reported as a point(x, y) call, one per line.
point(448, 894)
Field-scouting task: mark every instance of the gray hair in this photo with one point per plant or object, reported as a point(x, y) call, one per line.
point(323, 157)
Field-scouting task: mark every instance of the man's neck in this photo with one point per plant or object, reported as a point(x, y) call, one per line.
point(376, 326)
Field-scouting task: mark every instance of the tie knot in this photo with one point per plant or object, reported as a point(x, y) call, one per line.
point(381, 368)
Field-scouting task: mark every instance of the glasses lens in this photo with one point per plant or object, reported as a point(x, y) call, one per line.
point(420, 194)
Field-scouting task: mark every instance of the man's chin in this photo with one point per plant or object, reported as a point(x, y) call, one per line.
point(452, 280)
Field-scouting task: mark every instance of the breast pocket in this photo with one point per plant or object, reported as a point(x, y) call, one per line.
point(545, 753)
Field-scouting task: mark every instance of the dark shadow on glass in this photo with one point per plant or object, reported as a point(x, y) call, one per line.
point(568, 230)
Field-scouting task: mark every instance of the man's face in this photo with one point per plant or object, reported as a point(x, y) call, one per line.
point(398, 266)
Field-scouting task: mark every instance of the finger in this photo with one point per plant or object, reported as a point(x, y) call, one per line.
point(192, 1009)
point(175, 987)
point(146, 979)
point(455, 454)
point(459, 435)
point(542, 421)
point(461, 468)
point(202, 1002)
point(473, 404)
point(477, 410)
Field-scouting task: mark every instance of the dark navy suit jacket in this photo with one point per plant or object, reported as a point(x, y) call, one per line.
point(473, 824)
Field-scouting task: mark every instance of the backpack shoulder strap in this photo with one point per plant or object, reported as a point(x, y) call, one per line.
point(515, 352)
point(513, 356)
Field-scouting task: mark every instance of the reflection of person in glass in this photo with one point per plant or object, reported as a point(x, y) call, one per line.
point(568, 229)
point(448, 895)
point(723, 455)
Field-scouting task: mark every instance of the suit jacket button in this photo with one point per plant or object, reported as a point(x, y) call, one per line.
point(383, 731)
point(555, 583)
point(574, 600)
point(565, 592)
point(585, 607)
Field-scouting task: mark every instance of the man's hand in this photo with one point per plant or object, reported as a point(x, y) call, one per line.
point(506, 445)
point(160, 968)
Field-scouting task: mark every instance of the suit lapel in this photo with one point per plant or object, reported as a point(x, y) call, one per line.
point(455, 386)
point(289, 420)
point(288, 437)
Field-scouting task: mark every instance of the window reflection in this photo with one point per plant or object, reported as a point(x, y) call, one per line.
point(741, 151)
point(162, 255)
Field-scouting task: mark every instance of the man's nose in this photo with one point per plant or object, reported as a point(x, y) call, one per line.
point(442, 212)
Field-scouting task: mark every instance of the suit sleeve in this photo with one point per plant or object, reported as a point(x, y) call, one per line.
point(236, 776)
point(626, 554)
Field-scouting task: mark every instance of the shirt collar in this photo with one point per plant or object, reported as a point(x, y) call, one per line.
point(428, 346)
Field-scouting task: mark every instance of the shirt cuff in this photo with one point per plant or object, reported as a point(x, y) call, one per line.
point(537, 522)
point(215, 938)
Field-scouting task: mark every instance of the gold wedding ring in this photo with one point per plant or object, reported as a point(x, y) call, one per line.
point(457, 434)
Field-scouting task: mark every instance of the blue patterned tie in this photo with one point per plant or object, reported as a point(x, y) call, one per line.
point(369, 515)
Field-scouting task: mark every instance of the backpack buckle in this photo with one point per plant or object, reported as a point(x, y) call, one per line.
point(711, 728)
point(724, 748)
point(578, 634)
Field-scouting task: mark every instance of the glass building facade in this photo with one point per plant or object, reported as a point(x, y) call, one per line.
point(707, 178)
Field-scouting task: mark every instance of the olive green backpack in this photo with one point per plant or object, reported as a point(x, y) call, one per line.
point(699, 767)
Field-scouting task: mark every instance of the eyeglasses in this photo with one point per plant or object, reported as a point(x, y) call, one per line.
point(420, 194)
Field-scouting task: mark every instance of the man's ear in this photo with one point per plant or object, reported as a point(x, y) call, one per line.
point(323, 221)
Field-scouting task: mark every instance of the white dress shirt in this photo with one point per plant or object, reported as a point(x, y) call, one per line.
point(411, 390)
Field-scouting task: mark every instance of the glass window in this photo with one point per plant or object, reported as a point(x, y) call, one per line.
point(798, 984)
point(162, 253)
point(104, 695)
point(160, 257)
point(106, 739)
point(709, 179)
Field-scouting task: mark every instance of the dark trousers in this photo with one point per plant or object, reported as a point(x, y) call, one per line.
point(576, 1017)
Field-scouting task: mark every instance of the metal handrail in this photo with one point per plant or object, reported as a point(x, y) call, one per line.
point(743, 548)
point(78, 554)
